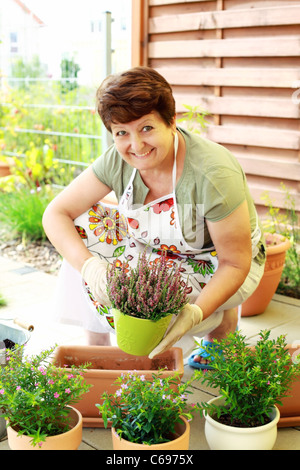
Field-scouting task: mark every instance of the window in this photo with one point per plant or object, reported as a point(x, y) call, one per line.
point(13, 42)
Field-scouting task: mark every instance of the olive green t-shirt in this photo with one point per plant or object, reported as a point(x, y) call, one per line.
point(212, 185)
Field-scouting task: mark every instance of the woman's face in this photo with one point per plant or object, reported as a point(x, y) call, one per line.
point(146, 143)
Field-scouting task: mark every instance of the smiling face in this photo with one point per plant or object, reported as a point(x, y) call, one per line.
point(147, 143)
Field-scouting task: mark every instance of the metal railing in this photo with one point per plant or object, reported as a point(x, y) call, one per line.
point(75, 132)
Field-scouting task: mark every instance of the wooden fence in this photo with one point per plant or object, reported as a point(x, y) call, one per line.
point(240, 61)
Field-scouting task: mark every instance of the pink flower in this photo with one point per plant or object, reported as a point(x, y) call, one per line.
point(143, 378)
point(2, 391)
point(70, 376)
point(18, 387)
point(42, 370)
point(51, 382)
point(67, 390)
point(56, 395)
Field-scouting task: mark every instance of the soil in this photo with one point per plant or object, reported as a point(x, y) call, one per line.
point(9, 344)
point(227, 420)
point(39, 255)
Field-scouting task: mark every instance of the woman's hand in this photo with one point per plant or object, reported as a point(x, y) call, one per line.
point(94, 273)
point(190, 316)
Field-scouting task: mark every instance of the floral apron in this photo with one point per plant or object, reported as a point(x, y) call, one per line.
point(120, 233)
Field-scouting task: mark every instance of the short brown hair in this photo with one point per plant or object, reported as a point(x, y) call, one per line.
point(129, 95)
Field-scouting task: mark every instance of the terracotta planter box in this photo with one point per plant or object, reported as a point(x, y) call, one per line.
point(290, 409)
point(108, 363)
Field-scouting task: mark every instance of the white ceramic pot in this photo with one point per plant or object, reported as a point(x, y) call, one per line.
point(222, 437)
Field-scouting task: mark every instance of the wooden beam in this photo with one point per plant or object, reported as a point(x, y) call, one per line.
point(276, 195)
point(248, 17)
point(242, 106)
point(155, 3)
point(233, 76)
point(270, 168)
point(255, 136)
point(139, 32)
point(249, 47)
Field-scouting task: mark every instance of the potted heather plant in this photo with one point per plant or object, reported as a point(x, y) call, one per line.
point(143, 300)
point(35, 399)
point(251, 382)
point(149, 414)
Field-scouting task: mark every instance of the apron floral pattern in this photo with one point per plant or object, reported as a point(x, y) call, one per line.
point(120, 233)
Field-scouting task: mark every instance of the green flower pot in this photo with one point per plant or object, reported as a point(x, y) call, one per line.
point(138, 336)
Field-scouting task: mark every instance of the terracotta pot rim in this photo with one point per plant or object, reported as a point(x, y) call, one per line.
point(76, 425)
point(283, 245)
point(236, 429)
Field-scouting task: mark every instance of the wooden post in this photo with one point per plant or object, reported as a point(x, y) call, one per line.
point(139, 44)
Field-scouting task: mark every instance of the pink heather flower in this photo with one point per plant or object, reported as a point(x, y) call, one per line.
point(8, 358)
point(124, 386)
point(2, 391)
point(119, 392)
point(70, 376)
point(42, 370)
point(18, 387)
point(56, 395)
point(51, 382)
point(68, 390)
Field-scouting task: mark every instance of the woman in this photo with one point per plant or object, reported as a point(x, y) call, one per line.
point(178, 192)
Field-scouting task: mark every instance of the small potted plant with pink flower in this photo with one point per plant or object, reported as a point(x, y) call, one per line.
point(143, 300)
point(35, 399)
point(149, 414)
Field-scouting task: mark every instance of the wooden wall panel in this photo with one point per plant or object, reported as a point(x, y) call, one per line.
point(240, 61)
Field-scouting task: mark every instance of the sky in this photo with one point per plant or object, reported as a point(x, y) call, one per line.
point(73, 11)
point(68, 23)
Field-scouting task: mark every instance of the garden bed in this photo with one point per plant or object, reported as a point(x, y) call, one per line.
point(40, 255)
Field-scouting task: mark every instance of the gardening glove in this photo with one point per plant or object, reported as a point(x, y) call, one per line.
point(190, 316)
point(94, 274)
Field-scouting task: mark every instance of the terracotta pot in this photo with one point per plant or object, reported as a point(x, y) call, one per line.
point(262, 296)
point(138, 336)
point(69, 440)
point(222, 437)
point(180, 442)
point(5, 167)
point(290, 408)
point(108, 363)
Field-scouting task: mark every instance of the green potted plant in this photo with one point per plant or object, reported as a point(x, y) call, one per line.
point(149, 414)
point(35, 399)
point(143, 301)
point(251, 382)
